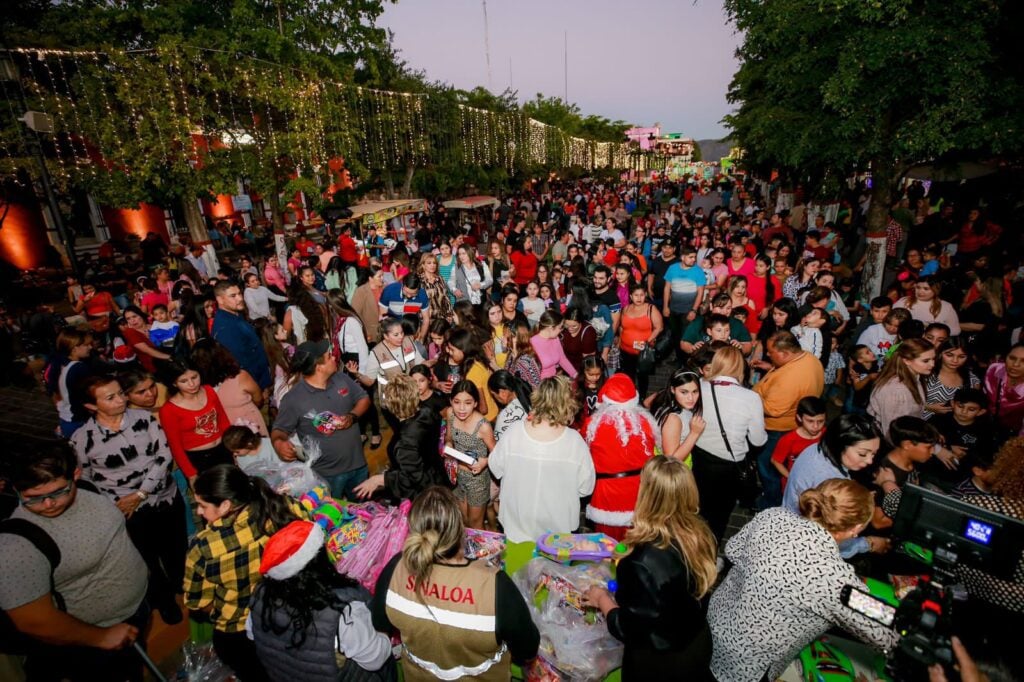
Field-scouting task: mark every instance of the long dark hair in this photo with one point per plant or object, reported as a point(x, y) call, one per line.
point(769, 285)
point(665, 401)
point(269, 511)
point(315, 314)
point(768, 327)
point(214, 362)
point(466, 341)
point(503, 379)
point(953, 343)
point(300, 597)
point(195, 318)
point(847, 430)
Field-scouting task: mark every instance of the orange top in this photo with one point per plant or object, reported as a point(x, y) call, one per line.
point(635, 329)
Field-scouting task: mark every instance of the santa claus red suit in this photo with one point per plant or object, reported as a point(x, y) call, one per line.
point(622, 436)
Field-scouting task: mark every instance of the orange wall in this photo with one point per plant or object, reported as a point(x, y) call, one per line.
point(135, 221)
point(23, 237)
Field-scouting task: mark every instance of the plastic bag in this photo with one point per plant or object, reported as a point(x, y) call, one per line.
point(385, 536)
point(292, 478)
point(200, 664)
point(574, 639)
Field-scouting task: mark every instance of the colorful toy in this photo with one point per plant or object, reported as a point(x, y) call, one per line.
point(346, 537)
point(483, 544)
point(331, 514)
point(385, 536)
point(325, 422)
point(566, 547)
point(314, 498)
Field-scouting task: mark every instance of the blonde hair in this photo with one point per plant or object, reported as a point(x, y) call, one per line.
point(69, 337)
point(401, 396)
point(895, 367)
point(554, 401)
point(435, 533)
point(666, 516)
point(837, 504)
point(728, 361)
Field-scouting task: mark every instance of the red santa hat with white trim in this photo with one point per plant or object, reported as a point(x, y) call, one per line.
point(619, 390)
point(290, 549)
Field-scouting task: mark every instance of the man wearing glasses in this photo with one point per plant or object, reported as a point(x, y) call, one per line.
point(83, 615)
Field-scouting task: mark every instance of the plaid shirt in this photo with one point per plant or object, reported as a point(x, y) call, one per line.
point(223, 568)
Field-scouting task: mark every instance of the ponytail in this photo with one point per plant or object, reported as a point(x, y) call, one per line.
point(837, 504)
point(269, 510)
point(435, 533)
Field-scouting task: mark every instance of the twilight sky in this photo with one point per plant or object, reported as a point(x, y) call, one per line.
point(644, 61)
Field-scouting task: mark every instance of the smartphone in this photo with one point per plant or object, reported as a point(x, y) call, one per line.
point(868, 605)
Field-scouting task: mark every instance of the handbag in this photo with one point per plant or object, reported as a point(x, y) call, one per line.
point(663, 342)
point(645, 360)
point(748, 486)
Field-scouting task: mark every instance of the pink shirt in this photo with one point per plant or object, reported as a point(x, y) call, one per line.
point(274, 277)
point(551, 356)
point(1005, 402)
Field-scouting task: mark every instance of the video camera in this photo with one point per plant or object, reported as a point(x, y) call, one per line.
point(945, 533)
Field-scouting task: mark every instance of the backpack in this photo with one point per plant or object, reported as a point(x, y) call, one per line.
point(12, 640)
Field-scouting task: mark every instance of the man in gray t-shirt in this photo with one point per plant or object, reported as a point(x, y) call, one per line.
point(324, 408)
point(101, 577)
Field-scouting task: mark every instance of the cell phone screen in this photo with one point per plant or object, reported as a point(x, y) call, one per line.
point(869, 605)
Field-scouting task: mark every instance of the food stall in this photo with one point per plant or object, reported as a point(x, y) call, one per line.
point(483, 206)
point(381, 213)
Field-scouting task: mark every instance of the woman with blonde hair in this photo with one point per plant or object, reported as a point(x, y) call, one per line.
point(458, 618)
point(899, 389)
point(656, 611)
point(436, 288)
point(734, 418)
point(544, 466)
point(415, 462)
point(784, 589)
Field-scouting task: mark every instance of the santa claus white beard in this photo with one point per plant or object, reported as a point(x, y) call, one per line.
point(628, 422)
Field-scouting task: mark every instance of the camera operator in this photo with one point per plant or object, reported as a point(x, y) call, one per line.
point(784, 589)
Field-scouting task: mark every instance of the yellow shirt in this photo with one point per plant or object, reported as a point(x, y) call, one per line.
point(783, 387)
point(479, 375)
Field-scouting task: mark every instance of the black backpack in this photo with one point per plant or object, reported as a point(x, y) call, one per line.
point(12, 640)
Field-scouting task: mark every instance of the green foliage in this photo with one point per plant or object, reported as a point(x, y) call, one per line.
point(825, 88)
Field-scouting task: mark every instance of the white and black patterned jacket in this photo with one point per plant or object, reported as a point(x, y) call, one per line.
point(782, 593)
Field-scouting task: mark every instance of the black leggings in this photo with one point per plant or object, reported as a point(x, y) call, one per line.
point(628, 364)
point(158, 532)
point(369, 423)
point(209, 458)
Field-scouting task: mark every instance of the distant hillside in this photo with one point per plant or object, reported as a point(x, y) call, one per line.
point(713, 150)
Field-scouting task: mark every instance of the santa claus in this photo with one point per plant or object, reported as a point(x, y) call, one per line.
point(622, 436)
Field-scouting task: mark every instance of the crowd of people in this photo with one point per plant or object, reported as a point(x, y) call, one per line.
point(526, 342)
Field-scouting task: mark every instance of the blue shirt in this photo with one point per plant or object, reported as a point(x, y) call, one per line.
point(810, 469)
point(397, 305)
point(239, 337)
point(683, 283)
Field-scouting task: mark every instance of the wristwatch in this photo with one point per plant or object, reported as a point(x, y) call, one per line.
point(142, 495)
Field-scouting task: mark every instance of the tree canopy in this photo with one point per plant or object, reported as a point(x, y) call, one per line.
point(825, 89)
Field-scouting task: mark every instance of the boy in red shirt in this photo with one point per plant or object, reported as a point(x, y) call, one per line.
point(810, 427)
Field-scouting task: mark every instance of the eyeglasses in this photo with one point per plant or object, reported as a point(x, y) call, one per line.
point(37, 500)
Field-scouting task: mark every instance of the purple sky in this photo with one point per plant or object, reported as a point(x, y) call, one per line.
point(646, 61)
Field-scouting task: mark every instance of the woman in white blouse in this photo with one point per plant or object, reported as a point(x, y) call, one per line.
point(783, 590)
point(736, 412)
point(544, 466)
point(470, 276)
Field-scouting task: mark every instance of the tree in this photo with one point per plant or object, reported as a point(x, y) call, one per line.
point(827, 89)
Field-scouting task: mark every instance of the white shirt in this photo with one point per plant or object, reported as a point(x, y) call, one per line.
point(541, 482)
point(352, 339)
point(742, 416)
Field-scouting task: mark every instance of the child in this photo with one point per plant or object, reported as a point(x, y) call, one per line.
point(592, 375)
point(930, 255)
point(965, 437)
point(915, 441)
point(741, 314)
point(863, 370)
point(880, 307)
point(164, 330)
point(547, 294)
point(470, 433)
point(532, 305)
point(980, 481)
point(810, 427)
point(834, 373)
point(438, 333)
point(716, 328)
point(808, 332)
point(250, 449)
point(882, 336)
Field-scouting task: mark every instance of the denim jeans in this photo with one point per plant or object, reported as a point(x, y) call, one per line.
point(343, 485)
point(771, 481)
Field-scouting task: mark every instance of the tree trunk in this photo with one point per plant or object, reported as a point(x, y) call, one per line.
point(197, 231)
point(883, 174)
point(410, 171)
point(389, 184)
point(277, 220)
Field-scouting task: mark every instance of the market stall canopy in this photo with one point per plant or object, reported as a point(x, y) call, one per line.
point(376, 212)
point(478, 201)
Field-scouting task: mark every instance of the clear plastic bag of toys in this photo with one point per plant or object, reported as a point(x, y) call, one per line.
point(292, 478)
point(200, 664)
point(574, 638)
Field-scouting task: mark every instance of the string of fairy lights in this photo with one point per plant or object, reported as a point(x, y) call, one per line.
point(181, 108)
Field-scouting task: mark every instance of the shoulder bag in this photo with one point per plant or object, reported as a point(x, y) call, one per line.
point(748, 487)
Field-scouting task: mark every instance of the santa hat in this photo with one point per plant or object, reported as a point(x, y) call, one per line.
point(619, 390)
point(124, 353)
point(290, 549)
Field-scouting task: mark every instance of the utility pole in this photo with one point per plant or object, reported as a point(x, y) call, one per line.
point(565, 71)
point(487, 47)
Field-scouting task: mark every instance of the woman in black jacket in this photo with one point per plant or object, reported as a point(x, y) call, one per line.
point(656, 610)
point(415, 459)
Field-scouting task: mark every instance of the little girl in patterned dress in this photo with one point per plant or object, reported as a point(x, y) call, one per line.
point(470, 433)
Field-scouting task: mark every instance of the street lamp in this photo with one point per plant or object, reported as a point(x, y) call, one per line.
point(37, 122)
